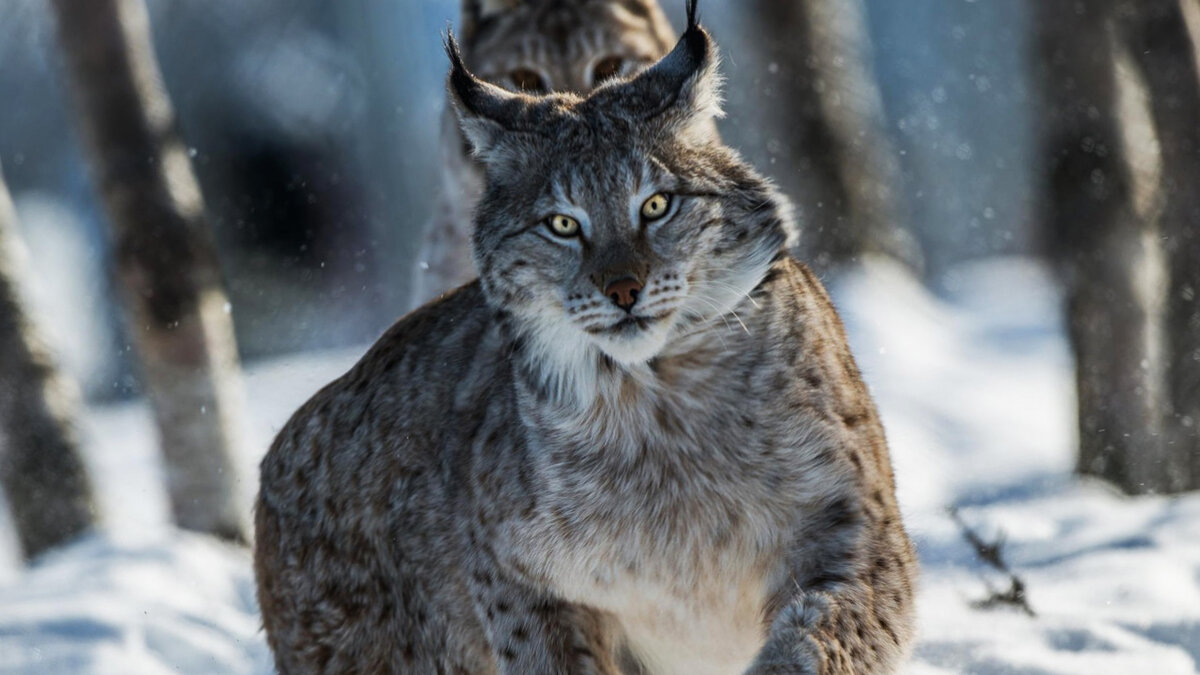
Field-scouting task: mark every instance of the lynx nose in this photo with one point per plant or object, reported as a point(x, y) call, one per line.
point(623, 292)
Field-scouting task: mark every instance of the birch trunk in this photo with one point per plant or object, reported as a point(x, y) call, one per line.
point(1121, 103)
point(1159, 42)
point(43, 474)
point(175, 307)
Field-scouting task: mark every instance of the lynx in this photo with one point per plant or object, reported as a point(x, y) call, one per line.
point(535, 46)
point(637, 444)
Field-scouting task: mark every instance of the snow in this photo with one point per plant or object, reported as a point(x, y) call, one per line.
point(977, 396)
point(976, 393)
point(172, 602)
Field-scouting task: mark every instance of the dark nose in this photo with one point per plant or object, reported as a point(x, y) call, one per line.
point(623, 292)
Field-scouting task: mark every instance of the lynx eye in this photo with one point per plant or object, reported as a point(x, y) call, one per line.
point(563, 226)
point(656, 206)
point(607, 68)
point(529, 81)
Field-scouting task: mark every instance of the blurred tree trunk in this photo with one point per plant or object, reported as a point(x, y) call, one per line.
point(42, 472)
point(1093, 228)
point(1159, 42)
point(825, 112)
point(176, 308)
point(1110, 194)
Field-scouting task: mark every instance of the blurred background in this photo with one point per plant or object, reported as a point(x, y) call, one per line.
point(1003, 197)
point(313, 129)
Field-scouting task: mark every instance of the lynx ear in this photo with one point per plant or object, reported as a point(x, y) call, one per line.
point(485, 111)
point(681, 91)
point(475, 12)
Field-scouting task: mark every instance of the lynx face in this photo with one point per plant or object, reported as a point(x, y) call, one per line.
point(539, 46)
point(616, 221)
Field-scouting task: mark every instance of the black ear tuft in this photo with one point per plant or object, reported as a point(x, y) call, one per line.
point(450, 44)
point(452, 50)
point(694, 37)
point(461, 79)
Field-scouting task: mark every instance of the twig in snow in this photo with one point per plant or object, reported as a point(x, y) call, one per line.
point(992, 554)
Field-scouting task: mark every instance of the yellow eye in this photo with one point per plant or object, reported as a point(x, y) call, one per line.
point(564, 226)
point(656, 206)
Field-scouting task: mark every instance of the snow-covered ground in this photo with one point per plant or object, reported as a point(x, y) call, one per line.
point(976, 394)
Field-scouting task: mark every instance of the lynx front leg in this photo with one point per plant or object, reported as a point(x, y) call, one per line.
point(532, 633)
point(847, 605)
point(827, 632)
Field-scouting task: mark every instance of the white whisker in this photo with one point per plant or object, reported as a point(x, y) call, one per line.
point(734, 289)
point(740, 322)
point(717, 315)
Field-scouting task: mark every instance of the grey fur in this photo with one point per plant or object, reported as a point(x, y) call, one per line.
point(525, 478)
point(563, 41)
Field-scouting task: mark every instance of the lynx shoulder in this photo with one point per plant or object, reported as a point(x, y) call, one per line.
point(638, 444)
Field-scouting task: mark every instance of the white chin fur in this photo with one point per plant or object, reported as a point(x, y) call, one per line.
point(636, 347)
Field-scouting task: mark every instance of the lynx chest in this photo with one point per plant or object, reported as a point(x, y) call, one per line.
point(671, 520)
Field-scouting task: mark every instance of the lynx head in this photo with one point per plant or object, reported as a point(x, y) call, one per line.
point(613, 222)
point(539, 46)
